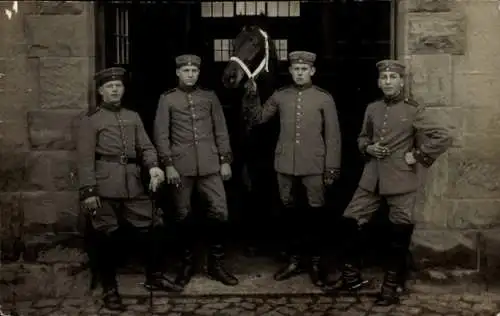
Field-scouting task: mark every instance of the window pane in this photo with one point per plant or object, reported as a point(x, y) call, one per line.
point(225, 56)
point(284, 44)
point(283, 55)
point(228, 9)
point(261, 7)
point(272, 8)
point(250, 8)
point(217, 9)
point(217, 55)
point(217, 44)
point(277, 44)
point(206, 9)
point(283, 8)
point(240, 7)
point(225, 44)
point(294, 8)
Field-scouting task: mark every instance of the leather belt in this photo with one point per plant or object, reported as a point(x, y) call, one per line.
point(122, 159)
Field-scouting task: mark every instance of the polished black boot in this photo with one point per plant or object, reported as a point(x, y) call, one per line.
point(290, 270)
point(155, 279)
point(396, 269)
point(318, 271)
point(216, 269)
point(294, 243)
point(350, 279)
point(186, 270)
point(215, 261)
point(106, 255)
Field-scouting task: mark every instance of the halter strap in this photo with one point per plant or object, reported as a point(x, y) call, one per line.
point(264, 64)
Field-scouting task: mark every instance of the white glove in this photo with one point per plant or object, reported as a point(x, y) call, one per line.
point(157, 177)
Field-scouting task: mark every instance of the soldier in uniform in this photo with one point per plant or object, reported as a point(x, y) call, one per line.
point(397, 133)
point(308, 152)
point(112, 147)
point(193, 144)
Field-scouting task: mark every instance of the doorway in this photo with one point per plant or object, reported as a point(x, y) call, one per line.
point(348, 36)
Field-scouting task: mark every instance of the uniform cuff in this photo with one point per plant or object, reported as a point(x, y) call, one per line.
point(424, 159)
point(226, 158)
point(88, 191)
point(167, 161)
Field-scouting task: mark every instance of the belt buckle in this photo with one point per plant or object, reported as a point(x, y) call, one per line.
point(123, 159)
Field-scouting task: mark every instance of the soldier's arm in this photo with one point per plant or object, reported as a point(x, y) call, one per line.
point(333, 140)
point(162, 131)
point(257, 114)
point(365, 137)
point(85, 147)
point(433, 137)
point(220, 130)
point(145, 149)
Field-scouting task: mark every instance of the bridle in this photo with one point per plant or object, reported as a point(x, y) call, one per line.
point(264, 64)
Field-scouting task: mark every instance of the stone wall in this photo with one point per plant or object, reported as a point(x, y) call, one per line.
point(46, 57)
point(453, 52)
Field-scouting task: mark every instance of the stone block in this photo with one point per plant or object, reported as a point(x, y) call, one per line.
point(53, 129)
point(430, 5)
point(58, 35)
point(431, 79)
point(12, 170)
point(485, 120)
point(51, 224)
point(475, 214)
point(11, 223)
point(18, 87)
point(60, 7)
point(438, 33)
point(64, 83)
point(446, 248)
point(473, 171)
point(51, 171)
point(483, 46)
point(476, 90)
point(13, 136)
point(490, 240)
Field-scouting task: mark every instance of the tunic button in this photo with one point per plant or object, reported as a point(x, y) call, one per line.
point(300, 92)
point(299, 99)
point(297, 141)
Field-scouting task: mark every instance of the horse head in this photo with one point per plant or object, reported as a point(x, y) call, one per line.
point(254, 56)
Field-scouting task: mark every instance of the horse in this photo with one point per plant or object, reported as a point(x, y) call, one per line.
point(254, 61)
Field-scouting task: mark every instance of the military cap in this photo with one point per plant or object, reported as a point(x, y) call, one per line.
point(302, 57)
point(109, 74)
point(391, 65)
point(187, 60)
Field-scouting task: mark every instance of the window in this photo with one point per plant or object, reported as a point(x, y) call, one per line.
point(227, 9)
point(121, 36)
point(223, 49)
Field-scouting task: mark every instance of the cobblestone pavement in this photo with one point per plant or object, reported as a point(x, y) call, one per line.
point(486, 304)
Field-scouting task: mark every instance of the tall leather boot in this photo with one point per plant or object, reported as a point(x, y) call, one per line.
point(350, 279)
point(396, 268)
point(295, 234)
point(155, 278)
point(106, 255)
point(187, 269)
point(318, 272)
point(215, 261)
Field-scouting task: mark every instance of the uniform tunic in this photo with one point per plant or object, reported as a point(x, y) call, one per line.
point(402, 126)
point(309, 142)
point(112, 146)
point(191, 135)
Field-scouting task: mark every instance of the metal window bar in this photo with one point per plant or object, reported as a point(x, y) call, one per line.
point(221, 9)
point(121, 35)
point(223, 49)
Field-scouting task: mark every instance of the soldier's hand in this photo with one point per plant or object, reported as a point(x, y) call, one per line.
point(92, 203)
point(331, 176)
point(225, 171)
point(173, 176)
point(378, 151)
point(410, 158)
point(157, 177)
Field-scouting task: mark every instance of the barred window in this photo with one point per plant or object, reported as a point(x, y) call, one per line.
point(227, 9)
point(223, 49)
